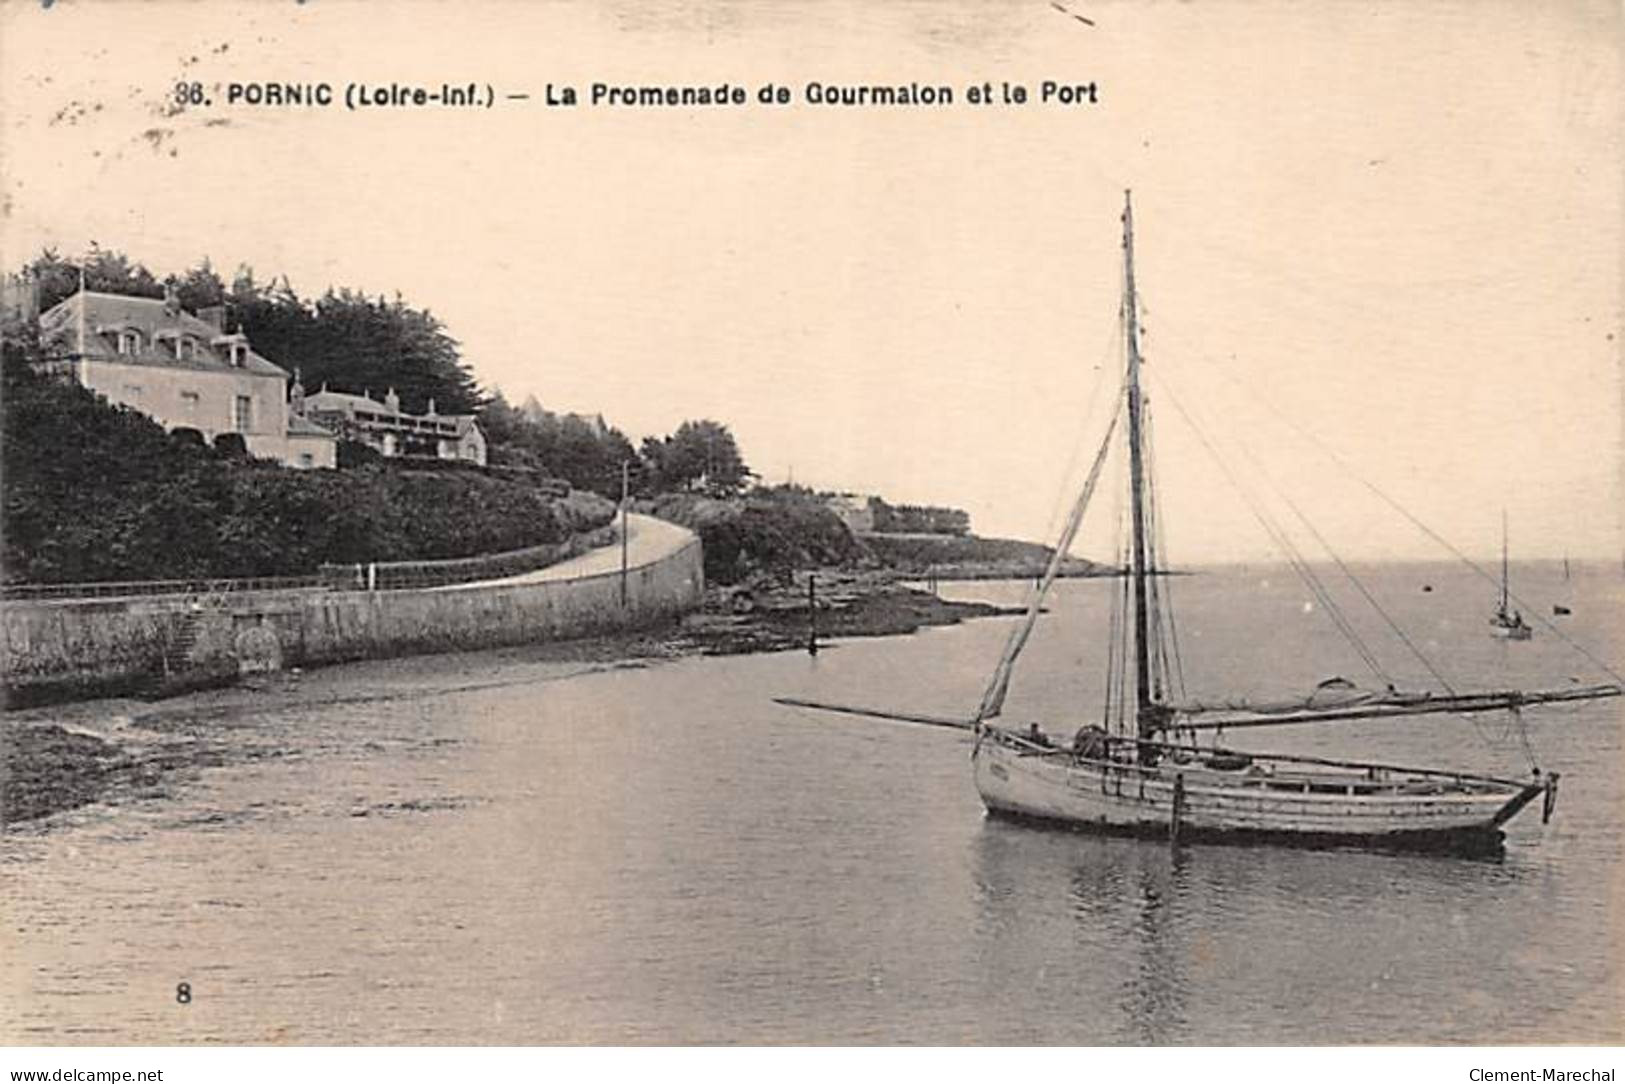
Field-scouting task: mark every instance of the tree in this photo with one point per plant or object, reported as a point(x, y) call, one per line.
point(200, 287)
point(358, 344)
point(106, 271)
point(700, 454)
point(500, 421)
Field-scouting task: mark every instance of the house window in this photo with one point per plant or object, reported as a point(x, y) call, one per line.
point(243, 413)
point(306, 459)
point(189, 403)
point(132, 393)
point(129, 342)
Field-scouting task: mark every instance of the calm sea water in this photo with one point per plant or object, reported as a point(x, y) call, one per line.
point(662, 855)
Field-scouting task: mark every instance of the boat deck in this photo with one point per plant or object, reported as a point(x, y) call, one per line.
point(1271, 771)
point(1226, 794)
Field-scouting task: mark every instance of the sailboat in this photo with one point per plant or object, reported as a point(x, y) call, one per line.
point(1508, 623)
point(1140, 768)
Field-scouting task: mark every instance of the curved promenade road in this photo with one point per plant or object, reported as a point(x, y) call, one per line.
point(648, 539)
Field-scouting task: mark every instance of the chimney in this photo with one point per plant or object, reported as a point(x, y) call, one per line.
point(172, 300)
point(430, 411)
point(296, 394)
point(392, 402)
point(21, 294)
point(214, 316)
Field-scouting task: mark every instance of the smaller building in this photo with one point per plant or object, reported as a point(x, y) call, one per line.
point(390, 431)
point(855, 511)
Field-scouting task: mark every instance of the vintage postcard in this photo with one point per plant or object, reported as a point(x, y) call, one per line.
point(1034, 523)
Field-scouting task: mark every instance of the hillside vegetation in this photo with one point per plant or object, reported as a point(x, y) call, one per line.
point(95, 492)
point(967, 556)
point(767, 532)
point(781, 530)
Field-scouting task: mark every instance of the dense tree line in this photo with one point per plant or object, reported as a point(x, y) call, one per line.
point(918, 519)
point(584, 453)
point(700, 456)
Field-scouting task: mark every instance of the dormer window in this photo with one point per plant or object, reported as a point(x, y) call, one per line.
point(235, 347)
point(129, 342)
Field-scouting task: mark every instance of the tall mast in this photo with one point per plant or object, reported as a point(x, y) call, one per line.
point(1147, 714)
point(1503, 560)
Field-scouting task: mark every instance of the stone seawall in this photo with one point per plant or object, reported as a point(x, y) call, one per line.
point(75, 649)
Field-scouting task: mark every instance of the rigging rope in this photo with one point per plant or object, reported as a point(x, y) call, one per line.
point(1360, 586)
point(1165, 586)
point(1113, 336)
point(1125, 581)
point(1515, 725)
point(999, 684)
point(1113, 626)
point(1483, 734)
point(1294, 558)
point(1418, 523)
point(1337, 559)
point(1523, 736)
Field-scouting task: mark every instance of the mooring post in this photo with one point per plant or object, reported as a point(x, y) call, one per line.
point(1179, 808)
point(812, 613)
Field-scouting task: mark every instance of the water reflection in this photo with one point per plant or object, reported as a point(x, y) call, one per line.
point(1113, 914)
point(1158, 943)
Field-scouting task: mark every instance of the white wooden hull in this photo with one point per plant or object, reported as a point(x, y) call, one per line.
point(1311, 809)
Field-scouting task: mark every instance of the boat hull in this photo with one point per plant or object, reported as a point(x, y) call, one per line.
point(1239, 807)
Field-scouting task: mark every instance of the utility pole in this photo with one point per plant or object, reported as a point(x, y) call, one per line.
point(626, 478)
point(81, 323)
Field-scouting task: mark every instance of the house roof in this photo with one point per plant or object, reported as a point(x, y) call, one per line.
point(325, 400)
point(107, 314)
point(343, 400)
point(300, 426)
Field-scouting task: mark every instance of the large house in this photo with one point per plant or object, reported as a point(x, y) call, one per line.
point(184, 371)
point(392, 432)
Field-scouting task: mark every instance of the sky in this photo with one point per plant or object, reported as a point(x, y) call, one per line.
point(1386, 237)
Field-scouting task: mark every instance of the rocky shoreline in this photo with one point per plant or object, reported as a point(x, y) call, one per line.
point(58, 758)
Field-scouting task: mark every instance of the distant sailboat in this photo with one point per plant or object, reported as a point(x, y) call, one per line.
point(1508, 624)
point(1558, 608)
